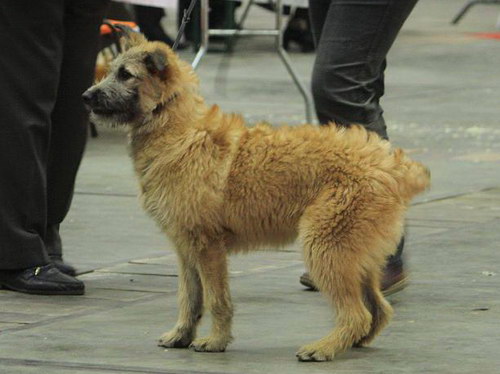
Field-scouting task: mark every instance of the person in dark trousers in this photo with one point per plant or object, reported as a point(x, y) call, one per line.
point(149, 20)
point(48, 58)
point(352, 39)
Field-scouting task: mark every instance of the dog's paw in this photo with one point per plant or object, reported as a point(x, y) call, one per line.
point(363, 342)
point(209, 344)
point(315, 352)
point(175, 339)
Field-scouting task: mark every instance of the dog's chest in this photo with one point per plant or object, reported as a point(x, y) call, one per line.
point(177, 201)
point(160, 197)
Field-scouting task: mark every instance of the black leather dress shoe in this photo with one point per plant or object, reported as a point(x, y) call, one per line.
point(41, 280)
point(62, 266)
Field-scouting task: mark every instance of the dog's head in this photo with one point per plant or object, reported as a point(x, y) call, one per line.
point(141, 81)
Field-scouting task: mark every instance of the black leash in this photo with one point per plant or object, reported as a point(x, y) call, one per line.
point(185, 20)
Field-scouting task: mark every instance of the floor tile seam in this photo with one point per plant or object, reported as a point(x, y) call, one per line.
point(151, 292)
point(105, 194)
point(424, 223)
point(131, 261)
point(451, 231)
point(97, 310)
point(96, 367)
point(239, 275)
point(457, 195)
point(105, 271)
point(432, 222)
point(440, 90)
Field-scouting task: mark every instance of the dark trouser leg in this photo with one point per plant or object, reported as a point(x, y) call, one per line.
point(82, 20)
point(149, 20)
point(353, 38)
point(31, 44)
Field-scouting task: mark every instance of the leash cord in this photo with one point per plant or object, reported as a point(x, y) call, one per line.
point(185, 20)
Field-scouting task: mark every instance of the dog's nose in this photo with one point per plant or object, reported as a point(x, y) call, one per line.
point(90, 98)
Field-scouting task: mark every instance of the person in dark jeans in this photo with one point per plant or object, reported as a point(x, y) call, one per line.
point(48, 58)
point(352, 39)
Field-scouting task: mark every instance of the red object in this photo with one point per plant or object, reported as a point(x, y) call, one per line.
point(106, 29)
point(487, 35)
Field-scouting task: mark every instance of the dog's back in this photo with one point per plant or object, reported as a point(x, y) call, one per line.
point(278, 172)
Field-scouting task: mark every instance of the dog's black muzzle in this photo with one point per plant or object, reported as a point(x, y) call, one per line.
point(90, 98)
point(94, 101)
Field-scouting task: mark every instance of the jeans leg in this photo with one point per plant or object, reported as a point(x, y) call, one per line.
point(348, 72)
point(318, 10)
point(31, 35)
point(82, 20)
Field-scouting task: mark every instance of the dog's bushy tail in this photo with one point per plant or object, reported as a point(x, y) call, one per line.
point(414, 179)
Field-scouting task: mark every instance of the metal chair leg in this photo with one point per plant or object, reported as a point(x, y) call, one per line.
point(277, 32)
point(286, 61)
point(245, 14)
point(204, 34)
point(469, 5)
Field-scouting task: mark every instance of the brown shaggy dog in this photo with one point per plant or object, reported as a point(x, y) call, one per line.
point(215, 187)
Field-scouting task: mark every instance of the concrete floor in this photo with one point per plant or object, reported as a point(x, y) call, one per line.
point(442, 105)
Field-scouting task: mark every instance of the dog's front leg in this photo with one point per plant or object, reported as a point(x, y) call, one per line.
point(190, 301)
point(212, 266)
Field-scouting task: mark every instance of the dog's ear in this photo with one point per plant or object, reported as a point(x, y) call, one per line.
point(130, 38)
point(156, 63)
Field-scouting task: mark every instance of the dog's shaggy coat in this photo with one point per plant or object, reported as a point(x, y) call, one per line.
point(215, 186)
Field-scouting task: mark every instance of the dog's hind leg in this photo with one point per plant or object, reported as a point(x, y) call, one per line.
point(212, 267)
point(339, 245)
point(378, 306)
point(190, 301)
point(338, 275)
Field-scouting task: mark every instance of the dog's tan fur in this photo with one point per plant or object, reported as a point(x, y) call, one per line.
point(215, 187)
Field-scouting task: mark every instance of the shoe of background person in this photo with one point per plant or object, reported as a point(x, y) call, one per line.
point(41, 280)
point(298, 31)
point(393, 280)
point(307, 282)
point(62, 266)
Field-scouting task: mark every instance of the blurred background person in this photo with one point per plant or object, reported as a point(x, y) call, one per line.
point(149, 21)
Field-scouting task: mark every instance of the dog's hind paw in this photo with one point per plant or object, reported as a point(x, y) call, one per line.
point(314, 352)
point(209, 344)
point(175, 339)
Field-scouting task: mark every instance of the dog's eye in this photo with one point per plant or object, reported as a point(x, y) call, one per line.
point(124, 74)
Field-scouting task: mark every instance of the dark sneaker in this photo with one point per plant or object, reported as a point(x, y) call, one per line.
point(394, 280)
point(62, 266)
point(306, 281)
point(41, 280)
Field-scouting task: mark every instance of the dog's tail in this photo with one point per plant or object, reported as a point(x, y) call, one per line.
point(414, 179)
